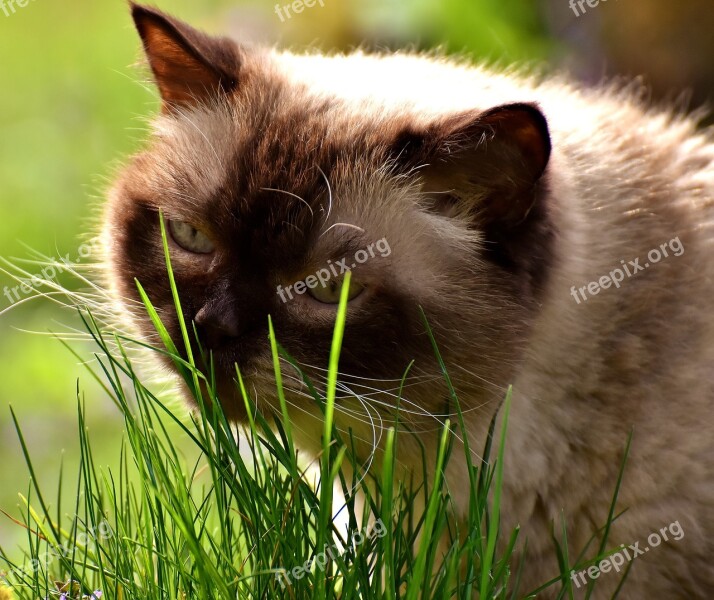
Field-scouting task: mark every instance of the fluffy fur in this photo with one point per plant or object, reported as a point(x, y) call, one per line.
point(287, 161)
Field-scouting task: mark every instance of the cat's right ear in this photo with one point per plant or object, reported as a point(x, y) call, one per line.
point(189, 66)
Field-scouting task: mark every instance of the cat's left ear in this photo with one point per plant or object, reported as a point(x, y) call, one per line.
point(189, 66)
point(483, 166)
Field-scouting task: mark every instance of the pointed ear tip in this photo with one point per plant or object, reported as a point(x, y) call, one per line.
point(524, 117)
point(136, 8)
point(140, 12)
point(540, 121)
point(528, 110)
point(538, 117)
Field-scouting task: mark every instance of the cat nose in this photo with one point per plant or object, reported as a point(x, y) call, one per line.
point(217, 325)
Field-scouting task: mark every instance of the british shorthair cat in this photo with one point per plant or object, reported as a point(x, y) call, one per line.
point(558, 239)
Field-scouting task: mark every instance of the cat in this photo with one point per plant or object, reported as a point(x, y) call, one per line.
point(519, 212)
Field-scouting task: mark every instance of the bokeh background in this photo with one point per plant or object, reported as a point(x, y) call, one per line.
point(72, 106)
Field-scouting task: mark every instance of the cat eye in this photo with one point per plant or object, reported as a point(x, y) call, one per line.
point(330, 292)
point(190, 238)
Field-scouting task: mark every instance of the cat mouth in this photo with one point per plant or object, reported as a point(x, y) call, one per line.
point(225, 357)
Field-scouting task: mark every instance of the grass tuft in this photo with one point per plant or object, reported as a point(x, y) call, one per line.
point(200, 509)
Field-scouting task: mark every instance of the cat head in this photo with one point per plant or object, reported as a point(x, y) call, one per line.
point(269, 189)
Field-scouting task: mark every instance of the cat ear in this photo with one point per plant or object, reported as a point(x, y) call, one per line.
point(189, 66)
point(486, 166)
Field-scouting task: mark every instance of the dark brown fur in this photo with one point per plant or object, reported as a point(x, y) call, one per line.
point(497, 194)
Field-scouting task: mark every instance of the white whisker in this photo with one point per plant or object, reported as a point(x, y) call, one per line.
point(329, 194)
point(294, 196)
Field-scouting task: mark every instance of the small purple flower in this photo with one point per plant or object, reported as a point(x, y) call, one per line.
point(96, 595)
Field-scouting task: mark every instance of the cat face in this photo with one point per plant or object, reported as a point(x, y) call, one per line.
point(269, 190)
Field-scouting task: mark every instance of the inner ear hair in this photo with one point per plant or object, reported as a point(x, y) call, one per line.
point(188, 66)
point(484, 166)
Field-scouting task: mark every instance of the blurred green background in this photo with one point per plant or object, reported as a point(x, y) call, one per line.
point(72, 107)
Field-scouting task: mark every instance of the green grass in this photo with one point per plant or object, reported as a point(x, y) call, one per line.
point(186, 507)
point(236, 517)
point(75, 106)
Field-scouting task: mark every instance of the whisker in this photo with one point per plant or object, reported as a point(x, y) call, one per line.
point(398, 379)
point(305, 202)
point(329, 194)
point(360, 229)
